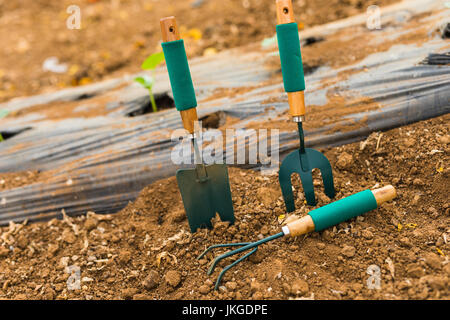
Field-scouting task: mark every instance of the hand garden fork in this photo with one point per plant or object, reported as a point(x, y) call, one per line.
point(301, 161)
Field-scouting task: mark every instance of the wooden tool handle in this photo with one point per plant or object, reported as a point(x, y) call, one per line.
point(169, 29)
point(306, 224)
point(285, 15)
point(384, 194)
point(170, 32)
point(285, 12)
point(298, 227)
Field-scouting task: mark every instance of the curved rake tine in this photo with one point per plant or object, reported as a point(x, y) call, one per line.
point(244, 246)
point(222, 273)
point(221, 246)
point(229, 254)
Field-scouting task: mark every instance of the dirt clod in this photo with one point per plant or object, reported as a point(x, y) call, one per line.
point(129, 293)
point(152, 280)
point(3, 252)
point(321, 246)
point(348, 251)
point(367, 234)
point(405, 242)
point(268, 196)
point(124, 256)
point(433, 261)
point(257, 257)
point(434, 282)
point(231, 285)
point(447, 269)
point(415, 271)
point(68, 236)
point(344, 161)
point(255, 286)
point(173, 278)
point(204, 289)
point(299, 287)
point(90, 224)
point(53, 249)
point(257, 296)
point(141, 296)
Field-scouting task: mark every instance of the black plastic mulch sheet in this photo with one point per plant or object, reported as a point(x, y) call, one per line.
point(101, 163)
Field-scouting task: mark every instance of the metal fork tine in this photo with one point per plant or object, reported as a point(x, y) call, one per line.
point(308, 187)
point(327, 178)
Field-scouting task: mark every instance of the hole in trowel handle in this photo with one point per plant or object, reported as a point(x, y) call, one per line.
point(285, 10)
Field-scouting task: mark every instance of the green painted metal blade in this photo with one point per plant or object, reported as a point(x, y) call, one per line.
point(202, 200)
point(293, 164)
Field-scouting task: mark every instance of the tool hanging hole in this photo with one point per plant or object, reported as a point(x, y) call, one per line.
point(172, 29)
point(285, 10)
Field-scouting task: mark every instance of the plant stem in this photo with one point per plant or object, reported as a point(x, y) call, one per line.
point(152, 100)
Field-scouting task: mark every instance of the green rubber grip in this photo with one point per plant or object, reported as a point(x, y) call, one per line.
point(179, 75)
point(343, 210)
point(291, 57)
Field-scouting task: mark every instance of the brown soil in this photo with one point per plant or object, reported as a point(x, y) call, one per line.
point(116, 36)
point(146, 252)
point(11, 180)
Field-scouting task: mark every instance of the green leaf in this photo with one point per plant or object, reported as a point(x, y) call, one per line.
point(145, 81)
point(153, 61)
point(3, 113)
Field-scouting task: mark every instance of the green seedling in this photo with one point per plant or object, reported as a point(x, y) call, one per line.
point(148, 81)
point(1, 137)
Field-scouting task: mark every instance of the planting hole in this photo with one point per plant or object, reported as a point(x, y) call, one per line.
point(214, 120)
point(311, 40)
point(144, 106)
point(11, 133)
